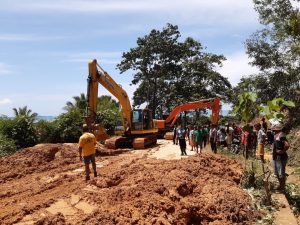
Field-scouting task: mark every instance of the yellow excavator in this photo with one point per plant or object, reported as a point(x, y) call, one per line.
point(139, 129)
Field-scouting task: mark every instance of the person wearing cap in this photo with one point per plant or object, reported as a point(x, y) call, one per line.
point(279, 154)
point(87, 143)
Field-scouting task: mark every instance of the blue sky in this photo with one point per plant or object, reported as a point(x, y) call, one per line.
point(45, 45)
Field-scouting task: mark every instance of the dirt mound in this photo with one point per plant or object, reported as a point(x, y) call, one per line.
point(45, 185)
point(191, 191)
point(37, 159)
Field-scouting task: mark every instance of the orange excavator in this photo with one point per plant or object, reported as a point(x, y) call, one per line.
point(139, 129)
point(213, 103)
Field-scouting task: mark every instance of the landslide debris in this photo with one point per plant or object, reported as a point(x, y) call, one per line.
point(129, 189)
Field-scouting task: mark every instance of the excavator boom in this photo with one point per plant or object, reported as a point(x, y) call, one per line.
point(138, 125)
point(205, 103)
point(213, 103)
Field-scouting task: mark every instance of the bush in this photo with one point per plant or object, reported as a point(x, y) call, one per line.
point(44, 131)
point(108, 119)
point(7, 146)
point(6, 126)
point(68, 127)
point(23, 132)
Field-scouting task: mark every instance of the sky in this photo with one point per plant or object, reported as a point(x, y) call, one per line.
point(45, 45)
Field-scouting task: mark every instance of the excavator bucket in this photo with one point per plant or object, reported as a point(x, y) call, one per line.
point(100, 133)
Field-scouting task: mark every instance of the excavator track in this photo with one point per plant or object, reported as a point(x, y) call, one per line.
point(118, 142)
point(144, 142)
point(125, 142)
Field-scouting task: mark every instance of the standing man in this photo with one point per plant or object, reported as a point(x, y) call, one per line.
point(261, 138)
point(87, 143)
point(197, 138)
point(174, 135)
point(181, 134)
point(280, 156)
point(213, 138)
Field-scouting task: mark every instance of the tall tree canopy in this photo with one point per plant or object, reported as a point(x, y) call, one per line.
point(169, 72)
point(275, 49)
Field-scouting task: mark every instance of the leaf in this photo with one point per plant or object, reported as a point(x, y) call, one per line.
point(289, 103)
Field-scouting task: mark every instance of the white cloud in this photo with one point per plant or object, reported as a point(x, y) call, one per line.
point(236, 66)
point(31, 37)
point(5, 69)
point(103, 57)
point(5, 101)
point(230, 12)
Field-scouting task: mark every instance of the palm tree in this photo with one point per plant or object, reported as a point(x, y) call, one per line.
point(80, 102)
point(25, 112)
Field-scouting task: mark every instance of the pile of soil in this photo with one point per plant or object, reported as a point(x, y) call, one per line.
point(130, 189)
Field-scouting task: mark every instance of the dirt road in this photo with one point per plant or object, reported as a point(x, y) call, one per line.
point(45, 185)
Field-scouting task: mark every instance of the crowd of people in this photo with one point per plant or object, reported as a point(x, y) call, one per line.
point(250, 140)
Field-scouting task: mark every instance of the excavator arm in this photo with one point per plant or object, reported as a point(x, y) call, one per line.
point(139, 131)
point(213, 103)
point(206, 103)
point(98, 75)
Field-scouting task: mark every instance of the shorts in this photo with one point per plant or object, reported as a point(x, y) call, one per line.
point(260, 149)
point(88, 159)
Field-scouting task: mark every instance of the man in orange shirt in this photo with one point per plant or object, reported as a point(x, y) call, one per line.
point(87, 143)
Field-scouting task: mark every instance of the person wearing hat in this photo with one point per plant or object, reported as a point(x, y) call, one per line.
point(279, 154)
point(87, 143)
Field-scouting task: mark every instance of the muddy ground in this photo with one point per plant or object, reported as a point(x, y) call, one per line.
point(45, 185)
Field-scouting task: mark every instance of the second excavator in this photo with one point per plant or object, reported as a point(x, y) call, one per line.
point(139, 129)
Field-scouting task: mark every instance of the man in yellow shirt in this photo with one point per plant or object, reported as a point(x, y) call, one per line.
point(87, 143)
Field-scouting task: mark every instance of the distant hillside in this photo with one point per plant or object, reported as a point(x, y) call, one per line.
point(48, 118)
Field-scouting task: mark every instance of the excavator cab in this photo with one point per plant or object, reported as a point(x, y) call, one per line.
point(142, 119)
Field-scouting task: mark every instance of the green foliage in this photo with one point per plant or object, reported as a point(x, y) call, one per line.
point(108, 119)
point(23, 132)
point(44, 131)
point(68, 127)
point(275, 50)
point(253, 176)
point(17, 133)
point(26, 113)
point(293, 196)
point(170, 72)
point(246, 108)
point(273, 108)
point(7, 146)
point(6, 126)
point(80, 103)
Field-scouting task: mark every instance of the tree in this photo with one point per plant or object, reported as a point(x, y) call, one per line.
point(170, 72)
point(23, 132)
point(275, 49)
point(246, 108)
point(80, 102)
point(25, 112)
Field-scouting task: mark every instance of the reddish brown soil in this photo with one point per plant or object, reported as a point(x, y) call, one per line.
point(130, 189)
